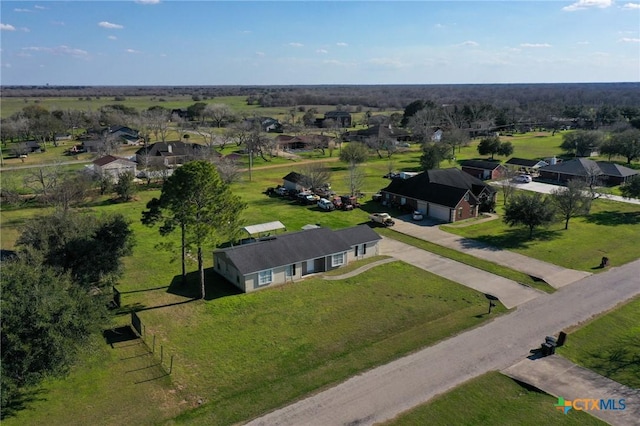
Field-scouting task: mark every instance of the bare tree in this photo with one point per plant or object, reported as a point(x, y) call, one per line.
point(158, 122)
point(43, 179)
point(355, 179)
point(455, 138)
point(219, 113)
point(423, 123)
point(69, 192)
point(507, 186)
point(315, 175)
point(571, 201)
point(227, 169)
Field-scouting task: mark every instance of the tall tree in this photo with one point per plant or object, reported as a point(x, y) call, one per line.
point(125, 186)
point(354, 154)
point(489, 145)
point(219, 113)
point(627, 144)
point(573, 200)
point(45, 319)
point(432, 155)
point(530, 210)
point(316, 175)
point(203, 205)
point(631, 189)
point(581, 142)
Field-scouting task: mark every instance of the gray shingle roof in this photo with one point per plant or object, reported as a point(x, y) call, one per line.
point(480, 164)
point(525, 162)
point(576, 167)
point(295, 177)
point(441, 186)
point(613, 169)
point(296, 247)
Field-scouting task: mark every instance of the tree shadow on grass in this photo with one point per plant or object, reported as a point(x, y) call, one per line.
point(509, 239)
point(621, 358)
point(614, 218)
point(20, 401)
point(216, 286)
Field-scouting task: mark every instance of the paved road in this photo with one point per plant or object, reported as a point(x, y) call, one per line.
point(384, 392)
point(554, 275)
point(562, 378)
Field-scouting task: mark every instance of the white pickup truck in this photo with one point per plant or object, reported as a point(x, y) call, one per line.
point(382, 218)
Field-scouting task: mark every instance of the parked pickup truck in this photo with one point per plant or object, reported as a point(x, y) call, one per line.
point(382, 218)
point(326, 205)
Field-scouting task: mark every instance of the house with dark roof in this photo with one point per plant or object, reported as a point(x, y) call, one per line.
point(289, 257)
point(603, 172)
point(113, 166)
point(525, 165)
point(449, 195)
point(342, 118)
point(295, 181)
point(379, 131)
point(168, 154)
point(483, 169)
point(288, 142)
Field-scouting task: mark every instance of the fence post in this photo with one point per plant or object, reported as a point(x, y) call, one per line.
point(153, 348)
point(161, 353)
point(171, 365)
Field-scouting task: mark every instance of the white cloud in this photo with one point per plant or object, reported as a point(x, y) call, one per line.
point(323, 51)
point(39, 7)
point(132, 51)
point(629, 40)
point(60, 50)
point(341, 44)
point(22, 10)
point(439, 26)
point(535, 45)
point(631, 6)
point(7, 65)
point(294, 44)
point(112, 37)
point(583, 43)
point(109, 25)
point(469, 43)
point(7, 27)
point(259, 53)
point(586, 4)
point(148, 1)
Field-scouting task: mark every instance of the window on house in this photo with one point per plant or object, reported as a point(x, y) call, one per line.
point(291, 270)
point(364, 249)
point(356, 251)
point(265, 277)
point(460, 213)
point(337, 259)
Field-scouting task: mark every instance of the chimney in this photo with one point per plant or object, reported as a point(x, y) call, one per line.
point(170, 148)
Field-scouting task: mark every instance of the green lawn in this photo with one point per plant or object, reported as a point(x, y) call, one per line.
point(609, 345)
point(245, 354)
point(492, 399)
point(605, 232)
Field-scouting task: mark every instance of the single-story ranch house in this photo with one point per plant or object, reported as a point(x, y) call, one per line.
point(446, 194)
point(113, 166)
point(483, 169)
point(288, 257)
point(525, 165)
point(583, 168)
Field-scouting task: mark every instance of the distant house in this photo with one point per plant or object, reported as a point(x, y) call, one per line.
point(93, 145)
point(295, 182)
point(582, 168)
point(449, 195)
point(180, 113)
point(379, 131)
point(289, 257)
point(113, 166)
point(342, 118)
point(525, 165)
point(484, 170)
point(287, 142)
point(168, 154)
point(25, 148)
point(267, 124)
point(126, 134)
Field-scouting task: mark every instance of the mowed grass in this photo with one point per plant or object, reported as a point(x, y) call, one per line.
point(607, 231)
point(609, 345)
point(258, 351)
point(492, 399)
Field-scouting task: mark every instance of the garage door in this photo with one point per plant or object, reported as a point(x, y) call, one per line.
point(439, 212)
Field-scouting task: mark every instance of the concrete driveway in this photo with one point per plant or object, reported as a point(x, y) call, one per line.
point(510, 293)
point(554, 275)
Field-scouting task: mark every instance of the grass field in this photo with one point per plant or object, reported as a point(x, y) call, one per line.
point(244, 354)
point(609, 345)
point(605, 232)
point(492, 399)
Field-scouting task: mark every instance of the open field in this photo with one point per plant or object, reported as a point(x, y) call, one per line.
point(609, 345)
point(492, 399)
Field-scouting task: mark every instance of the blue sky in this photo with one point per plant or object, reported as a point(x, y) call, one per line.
point(318, 42)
